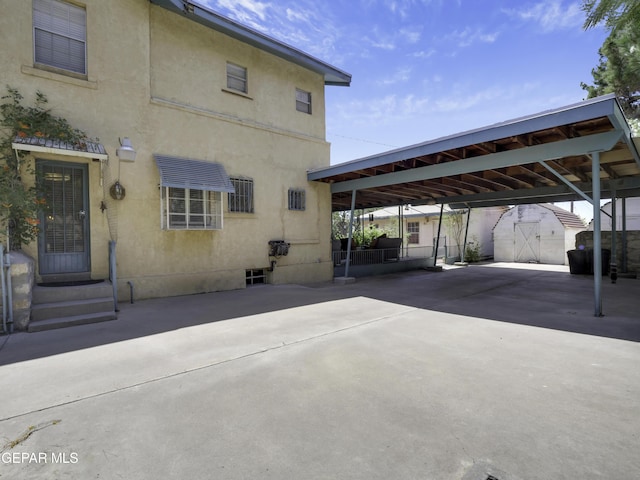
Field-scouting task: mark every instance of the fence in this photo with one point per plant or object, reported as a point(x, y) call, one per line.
point(385, 255)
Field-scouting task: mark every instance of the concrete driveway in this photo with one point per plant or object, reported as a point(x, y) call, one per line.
point(472, 373)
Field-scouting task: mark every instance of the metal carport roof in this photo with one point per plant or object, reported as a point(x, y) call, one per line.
point(548, 157)
point(539, 158)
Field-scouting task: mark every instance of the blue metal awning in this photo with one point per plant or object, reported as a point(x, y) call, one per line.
point(194, 174)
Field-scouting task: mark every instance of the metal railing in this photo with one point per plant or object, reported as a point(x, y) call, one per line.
point(384, 255)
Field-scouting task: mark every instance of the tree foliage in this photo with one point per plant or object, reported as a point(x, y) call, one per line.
point(616, 14)
point(19, 204)
point(618, 70)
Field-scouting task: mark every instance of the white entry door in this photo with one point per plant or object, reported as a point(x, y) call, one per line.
point(527, 242)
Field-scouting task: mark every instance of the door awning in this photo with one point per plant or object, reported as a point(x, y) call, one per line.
point(194, 174)
point(58, 147)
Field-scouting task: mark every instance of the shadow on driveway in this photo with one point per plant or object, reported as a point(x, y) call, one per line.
point(539, 296)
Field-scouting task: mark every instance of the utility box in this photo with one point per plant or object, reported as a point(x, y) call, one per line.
point(278, 248)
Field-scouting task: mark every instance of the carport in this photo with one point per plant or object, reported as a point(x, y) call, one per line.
point(579, 152)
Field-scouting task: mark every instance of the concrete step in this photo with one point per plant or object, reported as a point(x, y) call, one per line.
point(68, 293)
point(71, 308)
point(53, 323)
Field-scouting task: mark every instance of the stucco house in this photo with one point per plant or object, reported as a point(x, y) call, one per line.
point(632, 214)
point(420, 228)
point(537, 233)
point(206, 131)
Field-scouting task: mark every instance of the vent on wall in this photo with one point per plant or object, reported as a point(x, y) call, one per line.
point(255, 276)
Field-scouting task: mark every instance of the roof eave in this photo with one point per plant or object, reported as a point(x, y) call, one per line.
point(210, 19)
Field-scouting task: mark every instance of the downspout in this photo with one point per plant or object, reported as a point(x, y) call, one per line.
point(597, 234)
point(353, 207)
point(4, 292)
point(113, 274)
point(624, 235)
point(9, 293)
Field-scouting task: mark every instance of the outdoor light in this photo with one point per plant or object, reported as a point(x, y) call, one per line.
point(125, 152)
point(117, 191)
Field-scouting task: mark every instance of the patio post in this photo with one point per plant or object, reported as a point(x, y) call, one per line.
point(623, 267)
point(597, 233)
point(613, 260)
point(466, 233)
point(435, 253)
point(353, 208)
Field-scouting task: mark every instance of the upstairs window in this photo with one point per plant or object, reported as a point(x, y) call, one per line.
point(60, 35)
point(303, 101)
point(237, 78)
point(296, 199)
point(242, 200)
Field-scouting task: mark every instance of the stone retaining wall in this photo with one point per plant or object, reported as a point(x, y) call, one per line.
point(22, 280)
point(633, 246)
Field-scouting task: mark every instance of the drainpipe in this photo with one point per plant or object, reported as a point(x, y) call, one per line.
point(10, 293)
point(623, 267)
point(4, 292)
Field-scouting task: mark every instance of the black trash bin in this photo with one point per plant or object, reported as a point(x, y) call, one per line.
point(606, 260)
point(578, 262)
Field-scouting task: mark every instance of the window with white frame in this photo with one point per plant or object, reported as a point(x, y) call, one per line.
point(413, 229)
point(60, 35)
point(242, 200)
point(297, 199)
point(237, 78)
point(190, 209)
point(303, 101)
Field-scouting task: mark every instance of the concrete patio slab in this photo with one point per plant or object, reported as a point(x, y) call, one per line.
point(464, 374)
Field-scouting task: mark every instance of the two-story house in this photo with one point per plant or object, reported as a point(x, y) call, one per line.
point(205, 130)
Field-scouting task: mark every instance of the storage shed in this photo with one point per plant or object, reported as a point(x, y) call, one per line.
point(540, 233)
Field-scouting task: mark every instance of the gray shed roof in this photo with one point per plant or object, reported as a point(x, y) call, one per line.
point(215, 21)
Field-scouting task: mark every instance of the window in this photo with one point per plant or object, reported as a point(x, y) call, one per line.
point(189, 209)
point(237, 78)
point(413, 228)
point(60, 35)
point(303, 101)
point(255, 276)
point(296, 199)
point(242, 200)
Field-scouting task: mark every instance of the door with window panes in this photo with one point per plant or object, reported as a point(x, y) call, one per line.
point(63, 242)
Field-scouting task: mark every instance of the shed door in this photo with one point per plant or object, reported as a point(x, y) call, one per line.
point(63, 244)
point(527, 242)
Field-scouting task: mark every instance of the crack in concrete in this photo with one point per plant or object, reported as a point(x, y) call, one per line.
point(213, 364)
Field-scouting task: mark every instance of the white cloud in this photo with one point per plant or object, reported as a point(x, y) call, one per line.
point(402, 75)
point(550, 14)
point(243, 9)
point(468, 37)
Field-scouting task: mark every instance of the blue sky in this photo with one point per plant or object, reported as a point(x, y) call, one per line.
point(423, 69)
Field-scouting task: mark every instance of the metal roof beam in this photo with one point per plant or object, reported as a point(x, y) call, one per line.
point(548, 151)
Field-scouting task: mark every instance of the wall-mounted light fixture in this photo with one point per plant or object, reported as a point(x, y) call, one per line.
point(125, 152)
point(117, 191)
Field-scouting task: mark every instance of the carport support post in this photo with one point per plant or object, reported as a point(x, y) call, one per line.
point(353, 208)
point(466, 233)
point(614, 233)
point(435, 254)
point(597, 234)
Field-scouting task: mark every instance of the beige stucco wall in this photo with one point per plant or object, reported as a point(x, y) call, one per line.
point(160, 79)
